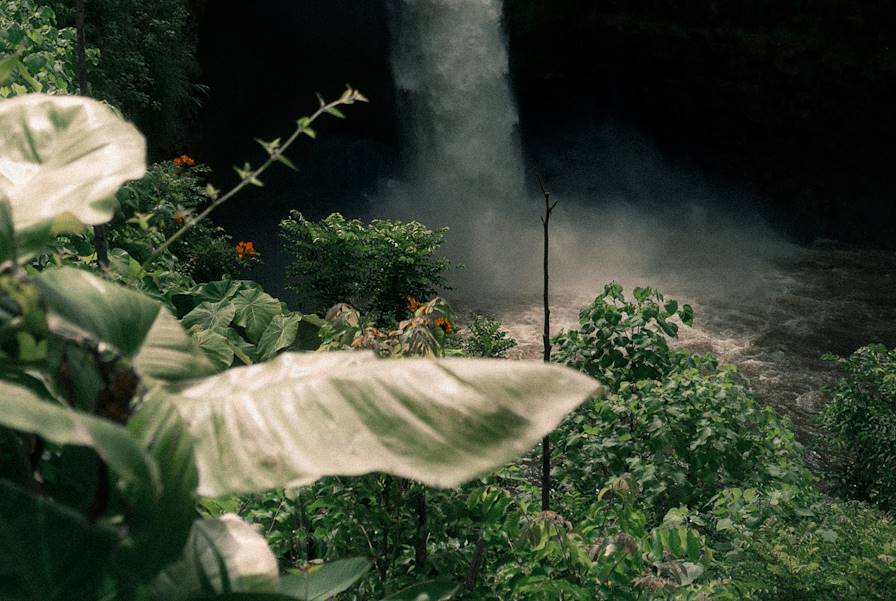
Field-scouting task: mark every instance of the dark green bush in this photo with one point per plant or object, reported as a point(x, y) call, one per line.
point(378, 267)
point(860, 423)
point(486, 338)
point(624, 341)
point(155, 207)
point(46, 51)
point(841, 552)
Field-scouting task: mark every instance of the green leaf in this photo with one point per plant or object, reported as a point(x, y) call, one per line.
point(216, 347)
point(49, 552)
point(279, 334)
point(254, 311)
point(300, 417)
point(160, 530)
point(226, 554)
point(7, 65)
point(135, 325)
point(64, 158)
point(210, 316)
point(7, 233)
point(21, 409)
point(325, 581)
point(427, 591)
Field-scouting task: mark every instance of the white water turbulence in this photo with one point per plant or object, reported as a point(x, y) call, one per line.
point(463, 167)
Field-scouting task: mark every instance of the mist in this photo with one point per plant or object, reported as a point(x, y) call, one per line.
point(625, 212)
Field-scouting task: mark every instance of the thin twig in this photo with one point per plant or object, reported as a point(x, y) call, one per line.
point(350, 97)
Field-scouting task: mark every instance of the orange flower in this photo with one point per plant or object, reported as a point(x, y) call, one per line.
point(413, 304)
point(183, 160)
point(446, 326)
point(245, 250)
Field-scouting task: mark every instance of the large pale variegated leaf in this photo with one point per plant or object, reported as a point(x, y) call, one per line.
point(63, 158)
point(305, 416)
point(133, 324)
point(224, 555)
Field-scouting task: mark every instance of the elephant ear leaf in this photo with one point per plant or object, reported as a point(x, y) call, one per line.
point(301, 417)
point(62, 159)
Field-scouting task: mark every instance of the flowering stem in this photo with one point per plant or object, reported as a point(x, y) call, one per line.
point(274, 154)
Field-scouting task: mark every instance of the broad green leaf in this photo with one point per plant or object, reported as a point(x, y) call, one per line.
point(49, 552)
point(227, 555)
point(7, 65)
point(243, 350)
point(300, 417)
point(254, 311)
point(62, 159)
point(7, 233)
point(135, 325)
point(427, 591)
point(160, 530)
point(216, 347)
point(21, 409)
point(210, 316)
point(279, 334)
point(325, 581)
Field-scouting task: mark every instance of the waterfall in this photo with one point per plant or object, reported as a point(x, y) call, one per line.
point(463, 165)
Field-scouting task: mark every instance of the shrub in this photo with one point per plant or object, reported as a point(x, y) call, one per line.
point(159, 204)
point(624, 341)
point(486, 338)
point(842, 552)
point(46, 52)
point(860, 423)
point(376, 267)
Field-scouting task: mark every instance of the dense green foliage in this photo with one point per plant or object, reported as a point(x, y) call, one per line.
point(146, 63)
point(155, 207)
point(675, 486)
point(377, 267)
point(45, 51)
point(485, 338)
point(860, 422)
point(150, 405)
point(114, 422)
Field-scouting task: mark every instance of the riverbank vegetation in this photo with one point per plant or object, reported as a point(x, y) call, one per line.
point(171, 431)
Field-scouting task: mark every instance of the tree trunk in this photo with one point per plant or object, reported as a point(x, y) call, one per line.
point(546, 337)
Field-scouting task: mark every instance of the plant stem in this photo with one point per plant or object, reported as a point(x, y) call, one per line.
point(546, 337)
point(252, 177)
point(100, 241)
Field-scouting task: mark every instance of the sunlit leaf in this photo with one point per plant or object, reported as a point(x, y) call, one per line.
point(210, 316)
point(62, 159)
point(279, 334)
point(226, 554)
point(304, 416)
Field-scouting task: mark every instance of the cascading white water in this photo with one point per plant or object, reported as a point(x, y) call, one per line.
point(463, 163)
